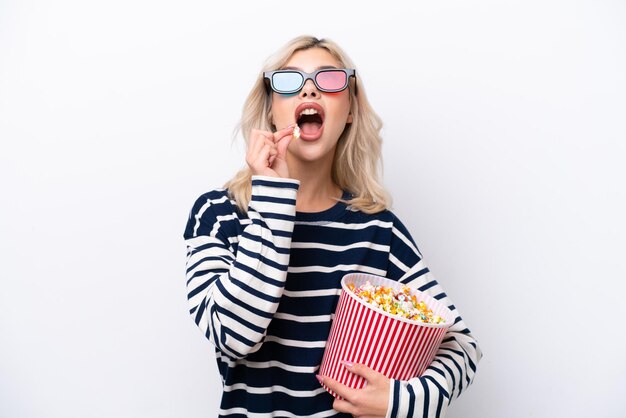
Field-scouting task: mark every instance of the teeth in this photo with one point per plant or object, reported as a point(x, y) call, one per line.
point(308, 112)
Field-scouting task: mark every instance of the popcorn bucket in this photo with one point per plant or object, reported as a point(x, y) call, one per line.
point(395, 346)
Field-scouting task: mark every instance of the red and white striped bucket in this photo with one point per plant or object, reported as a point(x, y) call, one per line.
point(397, 347)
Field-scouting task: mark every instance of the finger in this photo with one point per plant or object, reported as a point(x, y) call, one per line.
point(341, 390)
point(263, 157)
point(256, 142)
point(269, 142)
point(283, 144)
point(341, 405)
point(278, 135)
point(362, 370)
point(273, 154)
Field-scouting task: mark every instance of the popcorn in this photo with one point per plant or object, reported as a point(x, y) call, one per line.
point(296, 132)
point(396, 302)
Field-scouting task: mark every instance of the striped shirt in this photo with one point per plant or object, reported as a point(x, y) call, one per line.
point(262, 288)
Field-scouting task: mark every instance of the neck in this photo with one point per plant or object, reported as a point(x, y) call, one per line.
point(317, 190)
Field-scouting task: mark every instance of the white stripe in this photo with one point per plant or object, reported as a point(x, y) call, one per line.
point(311, 293)
point(207, 265)
point(406, 241)
point(275, 413)
point(194, 301)
point(398, 263)
point(342, 225)
point(339, 267)
point(274, 388)
point(204, 208)
point(274, 224)
point(219, 219)
point(274, 191)
point(297, 318)
point(340, 248)
point(296, 343)
point(201, 240)
point(260, 268)
point(273, 207)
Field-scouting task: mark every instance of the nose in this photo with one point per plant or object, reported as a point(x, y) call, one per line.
point(309, 90)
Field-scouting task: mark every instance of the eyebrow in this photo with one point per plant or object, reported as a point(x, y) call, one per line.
point(323, 67)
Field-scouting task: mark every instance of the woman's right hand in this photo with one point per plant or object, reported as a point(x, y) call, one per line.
point(267, 150)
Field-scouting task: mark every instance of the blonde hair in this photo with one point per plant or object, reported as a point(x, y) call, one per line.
point(358, 155)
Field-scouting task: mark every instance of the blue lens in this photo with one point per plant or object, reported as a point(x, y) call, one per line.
point(286, 82)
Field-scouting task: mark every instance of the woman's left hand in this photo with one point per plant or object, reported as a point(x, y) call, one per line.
point(370, 402)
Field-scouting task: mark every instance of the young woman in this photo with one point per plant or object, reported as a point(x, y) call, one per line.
point(267, 252)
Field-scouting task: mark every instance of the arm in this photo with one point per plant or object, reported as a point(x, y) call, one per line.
point(234, 295)
point(454, 365)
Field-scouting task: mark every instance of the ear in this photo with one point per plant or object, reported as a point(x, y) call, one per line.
point(271, 117)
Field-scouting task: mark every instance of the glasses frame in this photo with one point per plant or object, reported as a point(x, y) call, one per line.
point(349, 72)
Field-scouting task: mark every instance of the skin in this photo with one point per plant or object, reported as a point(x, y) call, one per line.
point(369, 402)
point(309, 162)
point(277, 154)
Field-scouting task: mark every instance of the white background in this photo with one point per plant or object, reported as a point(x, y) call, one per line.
point(504, 150)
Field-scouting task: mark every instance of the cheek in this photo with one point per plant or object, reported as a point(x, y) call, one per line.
point(280, 102)
point(280, 112)
point(342, 110)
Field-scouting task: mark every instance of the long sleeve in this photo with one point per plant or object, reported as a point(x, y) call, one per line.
point(454, 365)
point(235, 279)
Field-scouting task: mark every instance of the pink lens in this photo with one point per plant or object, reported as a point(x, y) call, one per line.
point(331, 80)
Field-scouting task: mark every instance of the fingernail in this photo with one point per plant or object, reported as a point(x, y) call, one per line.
point(319, 378)
point(346, 363)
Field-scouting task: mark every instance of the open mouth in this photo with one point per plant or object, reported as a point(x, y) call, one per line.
point(310, 119)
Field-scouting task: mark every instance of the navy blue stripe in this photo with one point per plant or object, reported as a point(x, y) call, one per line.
point(281, 216)
point(441, 389)
point(212, 328)
point(427, 286)
point(265, 243)
point(434, 368)
point(450, 375)
point(260, 222)
point(202, 273)
point(208, 246)
point(200, 288)
point(238, 337)
point(198, 274)
point(200, 311)
point(439, 405)
point(205, 259)
point(416, 275)
point(244, 305)
point(277, 184)
point(220, 341)
point(254, 291)
point(279, 233)
point(261, 277)
point(396, 398)
point(239, 319)
point(272, 199)
point(411, 410)
point(458, 367)
point(426, 397)
point(264, 259)
point(463, 355)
